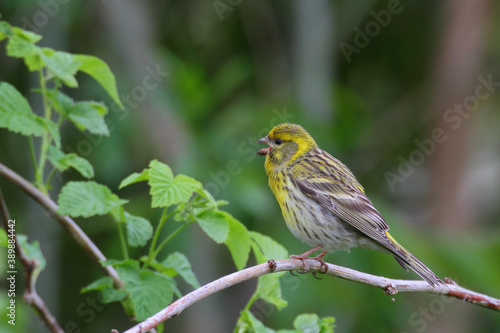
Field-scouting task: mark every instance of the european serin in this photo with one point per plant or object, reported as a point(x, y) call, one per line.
point(322, 202)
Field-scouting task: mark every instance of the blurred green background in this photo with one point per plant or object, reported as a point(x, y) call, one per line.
point(405, 93)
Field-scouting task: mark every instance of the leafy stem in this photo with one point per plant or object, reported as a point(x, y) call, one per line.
point(163, 219)
point(172, 235)
point(122, 241)
point(252, 299)
point(33, 156)
point(46, 138)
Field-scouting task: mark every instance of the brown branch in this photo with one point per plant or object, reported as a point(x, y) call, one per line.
point(51, 207)
point(30, 295)
point(389, 286)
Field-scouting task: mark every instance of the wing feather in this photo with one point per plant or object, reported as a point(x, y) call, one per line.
point(336, 189)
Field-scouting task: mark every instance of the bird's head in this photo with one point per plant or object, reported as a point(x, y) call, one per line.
point(286, 143)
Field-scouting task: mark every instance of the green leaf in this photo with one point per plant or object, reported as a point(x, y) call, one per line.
point(60, 101)
point(33, 252)
point(100, 71)
point(87, 199)
point(214, 224)
point(268, 286)
point(34, 61)
point(16, 114)
point(248, 323)
point(80, 164)
point(110, 295)
point(311, 323)
point(20, 47)
point(135, 178)
point(28, 35)
point(167, 190)
point(269, 289)
point(87, 116)
point(116, 262)
point(327, 324)
point(53, 129)
point(139, 230)
point(5, 30)
point(307, 323)
point(266, 248)
point(149, 291)
point(63, 65)
point(180, 264)
point(99, 284)
point(238, 241)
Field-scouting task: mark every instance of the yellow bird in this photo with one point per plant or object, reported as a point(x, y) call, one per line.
point(322, 202)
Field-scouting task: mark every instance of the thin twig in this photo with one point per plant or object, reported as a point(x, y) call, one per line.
point(51, 207)
point(389, 286)
point(30, 295)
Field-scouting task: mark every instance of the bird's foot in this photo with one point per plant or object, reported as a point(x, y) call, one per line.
point(319, 258)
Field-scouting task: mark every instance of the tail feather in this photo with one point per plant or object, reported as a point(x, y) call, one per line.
point(406, 259)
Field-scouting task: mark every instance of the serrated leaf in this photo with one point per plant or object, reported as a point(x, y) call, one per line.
point(167, 190)
point(135, 178)
point(63, 161)
point(266, 248)
point(19, 47)
point(139, 230)
point(238, 241)
point(327, 324)
point(116, 262)
point(53, 129)
point(99, 284)
point(100, 71)
point(148, 291)
point(60, 101)
point(307, 323)
point(180, 264)
point(5, 30)
point(80, 164)
point(26, 34)
point(16, 114)
point(269, 289)
point(33, 252)
point(248, 323)
point(86, 116)
point(33, 61)
point(87, 199)
point(63, 65)
point(268, 286)
point(214, 224)
point(110, 295)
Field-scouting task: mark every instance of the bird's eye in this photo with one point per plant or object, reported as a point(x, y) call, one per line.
point(279, 141)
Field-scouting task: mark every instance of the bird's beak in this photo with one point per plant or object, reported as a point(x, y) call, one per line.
point(264, 151)
point(263, 140)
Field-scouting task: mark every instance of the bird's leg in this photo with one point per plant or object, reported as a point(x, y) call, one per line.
point(324, 266)
point(306, 254)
